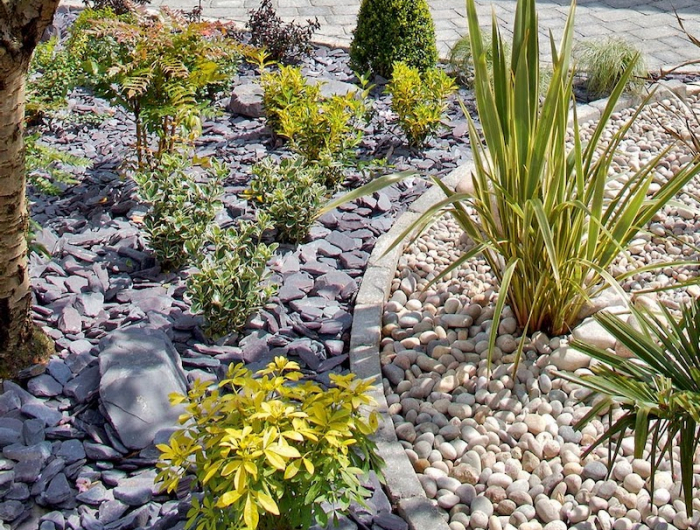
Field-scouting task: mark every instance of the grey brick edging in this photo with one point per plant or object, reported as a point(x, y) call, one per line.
point(403, 487)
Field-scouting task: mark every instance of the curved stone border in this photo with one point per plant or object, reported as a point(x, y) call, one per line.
point(403, 487)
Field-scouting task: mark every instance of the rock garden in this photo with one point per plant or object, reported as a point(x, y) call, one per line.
point(539, 344)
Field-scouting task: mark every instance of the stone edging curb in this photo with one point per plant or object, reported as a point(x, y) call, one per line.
point(403, 488)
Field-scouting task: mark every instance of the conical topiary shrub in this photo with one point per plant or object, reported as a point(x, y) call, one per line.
point(393, 30)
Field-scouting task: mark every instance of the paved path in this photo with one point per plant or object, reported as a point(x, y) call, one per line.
point(650, 24)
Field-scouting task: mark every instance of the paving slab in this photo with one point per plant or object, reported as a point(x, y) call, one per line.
point(649, 24)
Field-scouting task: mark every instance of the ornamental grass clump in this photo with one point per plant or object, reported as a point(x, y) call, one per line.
point(543, 221)
point(271, 451)
point(539, 211)
point(604, 62)
point(658, 388)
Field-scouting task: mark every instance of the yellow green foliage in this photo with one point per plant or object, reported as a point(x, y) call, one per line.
point(419, 100)
point(326, 130)
point(268, 449)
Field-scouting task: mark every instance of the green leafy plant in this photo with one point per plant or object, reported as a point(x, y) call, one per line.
point(658, 388)
point(389, 31)
point(604, 62)
point(419, 100)
point(542, 219)
point(45, 166)
point(162, 70)
point(323, 130)
point(291, 193)
point(183, 204)
point(230, 282)
point(53, 73)
point(284, 42)
point(270, 451)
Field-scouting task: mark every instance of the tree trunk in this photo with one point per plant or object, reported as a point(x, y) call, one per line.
point(22, 22)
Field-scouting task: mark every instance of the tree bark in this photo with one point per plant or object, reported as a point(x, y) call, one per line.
point(22, 23)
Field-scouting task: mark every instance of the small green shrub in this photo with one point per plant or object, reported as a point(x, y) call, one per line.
point(44, 166)
point(230, 283)
point(272, 452)
point(604, 62)
point(419, 100)
point(284, 42)
point(53, 73)
point(183, 205)
point(389, 31)
point(282, 89)
point(658, 388)
point(291, 193)
point(163, 71)
point(322, 130)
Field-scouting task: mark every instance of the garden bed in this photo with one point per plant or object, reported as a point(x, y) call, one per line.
point(101, 277)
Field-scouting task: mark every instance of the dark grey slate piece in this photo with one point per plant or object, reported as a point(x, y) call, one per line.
point(44, 386)
point(95, 451)
point(9, 401)
point(112, 510)
point(94, 495)
point(131, 360)
point(85, 385)
point(69, 320)
point(59, 371)
point(334, 284)
point(33, 432)
point(51, 417)
point(20, 452)
point(10, 510)
point(58, 490)
point(18, 492)
point(27, 471)
point(6, 478)
point(71, 451)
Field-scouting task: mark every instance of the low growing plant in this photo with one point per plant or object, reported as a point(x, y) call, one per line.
point(658, 388)
point(291, 193)
point(163, 71)
point(270, 451)
point(183, 203)
point(53, 73)
point(283, 42)
point(323, 130)
point(604, 62)
point(419, 100)
point(230, 282)
point(44, 166)
point(542, 219)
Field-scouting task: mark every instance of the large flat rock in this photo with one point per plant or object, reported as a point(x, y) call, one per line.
point(139, 369)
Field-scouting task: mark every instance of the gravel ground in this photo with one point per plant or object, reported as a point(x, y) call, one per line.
point(500, 452)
